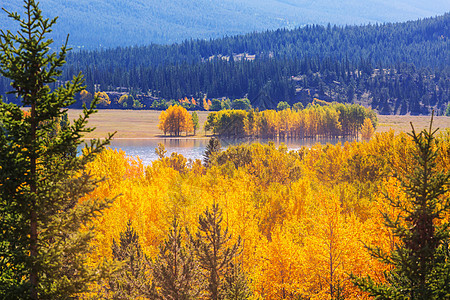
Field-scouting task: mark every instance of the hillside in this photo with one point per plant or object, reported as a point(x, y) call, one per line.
point(101, 23)
point(396, 68)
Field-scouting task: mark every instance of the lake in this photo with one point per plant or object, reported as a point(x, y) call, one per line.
point(194, 148)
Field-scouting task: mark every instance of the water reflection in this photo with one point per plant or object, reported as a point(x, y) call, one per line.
point(194, 148)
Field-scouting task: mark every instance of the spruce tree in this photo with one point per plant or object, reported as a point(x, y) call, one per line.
point(212, 148)
point(214, 252)
point(175, 269)
point(42, 247)
point(131, 281)
point(236, 283)
point(420, 261)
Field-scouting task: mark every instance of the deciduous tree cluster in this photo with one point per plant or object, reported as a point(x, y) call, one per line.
point(304, 217)
point(175, 120)
point(331, 120)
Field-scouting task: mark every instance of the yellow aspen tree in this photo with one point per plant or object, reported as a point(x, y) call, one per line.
point(282, 270)
point(367, 129)
point(103, 99)
point(332, 248)
point(86, 98)
point(174, 120)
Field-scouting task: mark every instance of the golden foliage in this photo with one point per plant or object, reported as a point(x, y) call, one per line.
point(367, 129)
point(303, 217)
point(103, 99)
point(314, 121)
point(175, 120)
point(86, 97)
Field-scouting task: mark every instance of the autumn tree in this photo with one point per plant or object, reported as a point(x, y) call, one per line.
point(126, 101)
point(161, 151)
point(175, 120)
point(103, 99)
point(86, 98)
point(43, 250)
point(420, 261)
point(367, 129)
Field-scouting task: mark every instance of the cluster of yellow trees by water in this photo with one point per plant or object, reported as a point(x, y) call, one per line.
point(325, 120)
point(303, 217)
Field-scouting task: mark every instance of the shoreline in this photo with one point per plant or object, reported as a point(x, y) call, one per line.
point(143, 124)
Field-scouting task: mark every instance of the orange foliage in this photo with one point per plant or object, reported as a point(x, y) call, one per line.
point(206, 103)
point(175, 120)
point(303, 216)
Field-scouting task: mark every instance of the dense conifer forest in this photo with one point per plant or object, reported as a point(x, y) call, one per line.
point(394, 68)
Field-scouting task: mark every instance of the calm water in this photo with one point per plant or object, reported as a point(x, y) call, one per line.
point(194, 148)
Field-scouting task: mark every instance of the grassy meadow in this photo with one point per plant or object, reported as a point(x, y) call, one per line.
point(402, 123)
point(143, 124)
point(129, 124)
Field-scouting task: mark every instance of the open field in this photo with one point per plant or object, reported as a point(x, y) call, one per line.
point(129, 124)
point(402, 123)
point(144, 123)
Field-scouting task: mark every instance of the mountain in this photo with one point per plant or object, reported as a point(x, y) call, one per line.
point(395, 67)
point(110, 23)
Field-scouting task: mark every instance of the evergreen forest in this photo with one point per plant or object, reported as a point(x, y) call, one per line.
point(394, 68)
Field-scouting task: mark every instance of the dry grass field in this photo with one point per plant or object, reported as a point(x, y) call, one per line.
point(129, 124)
point(402, 123)
point(143, 124)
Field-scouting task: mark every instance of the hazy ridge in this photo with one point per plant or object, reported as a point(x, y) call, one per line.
point(94, 23)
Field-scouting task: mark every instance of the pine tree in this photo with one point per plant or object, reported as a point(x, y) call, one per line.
point(195, 121)
point(131, 281)
point(236, 283)
point(175, 270)
point(214, 251)
point(212, 148)
point(420, 261)
point(43, 249)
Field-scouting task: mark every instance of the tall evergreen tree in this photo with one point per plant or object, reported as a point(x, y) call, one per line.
point(214, 252)
point(42, 247)
point(212, 148)
point(132, 279)
point(420, 261)
point(175, 269)
point(236, 283)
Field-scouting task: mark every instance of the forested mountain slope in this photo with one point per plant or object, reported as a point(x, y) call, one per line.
point(396, 68)
point(109, 23)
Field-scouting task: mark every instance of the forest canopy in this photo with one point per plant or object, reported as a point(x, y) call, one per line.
point(302, 219)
